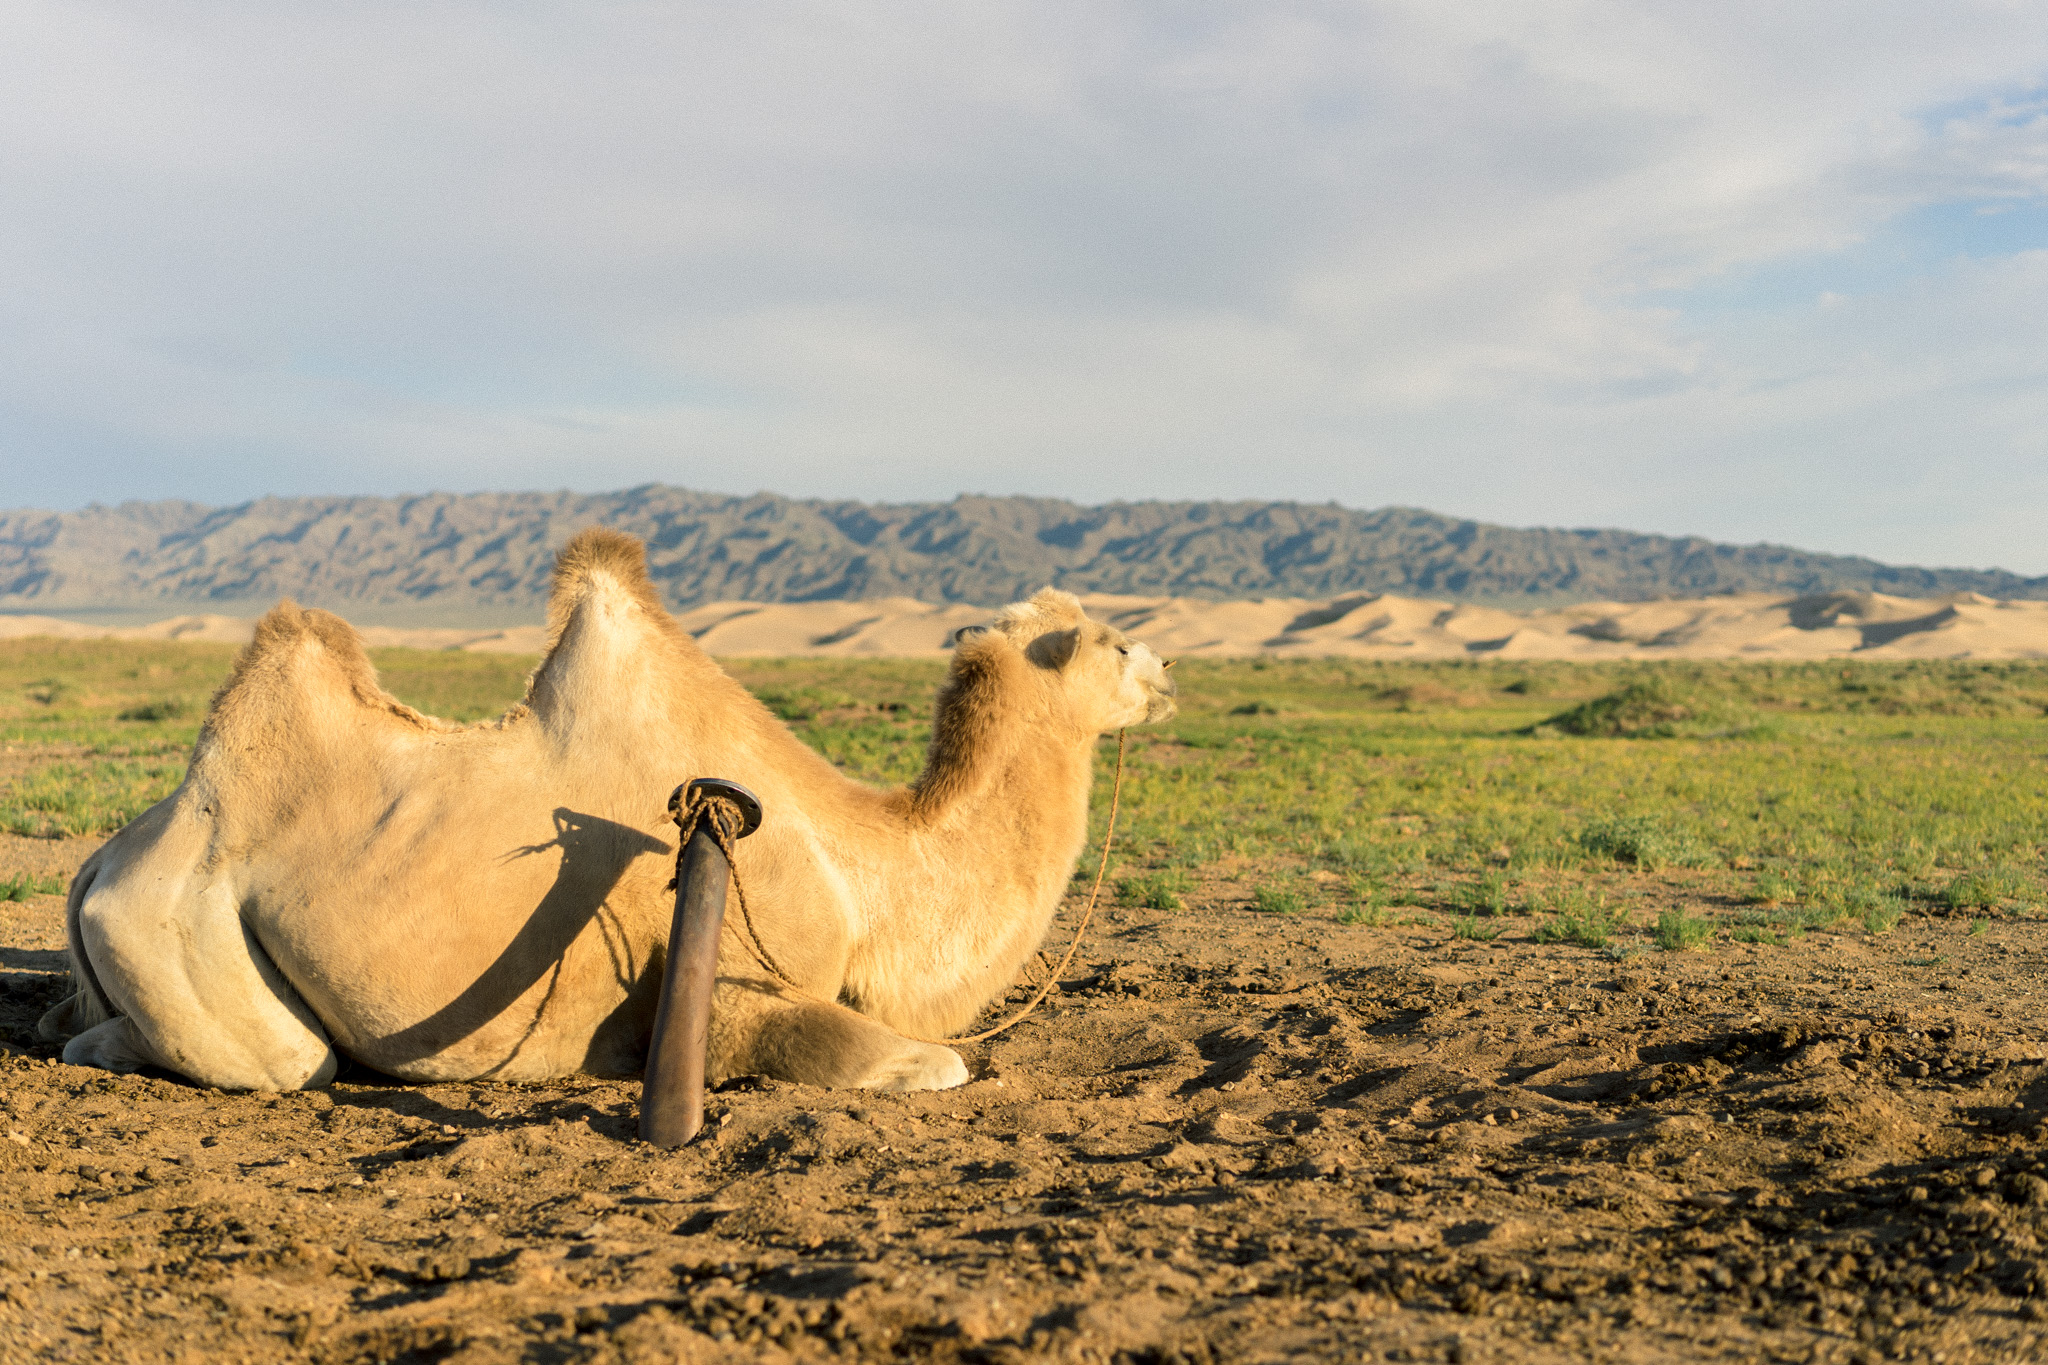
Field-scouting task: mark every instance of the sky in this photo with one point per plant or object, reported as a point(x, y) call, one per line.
point(1754, 271)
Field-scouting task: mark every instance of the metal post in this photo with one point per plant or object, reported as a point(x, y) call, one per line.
point(672, 1092)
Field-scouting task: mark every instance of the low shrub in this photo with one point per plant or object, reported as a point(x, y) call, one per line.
point(1654, 708)
point(1427, 696)
point(1647, 843)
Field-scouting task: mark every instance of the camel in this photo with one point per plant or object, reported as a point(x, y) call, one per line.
point(341, 875)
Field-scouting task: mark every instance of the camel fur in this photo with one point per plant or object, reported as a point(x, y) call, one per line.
point(340, 875)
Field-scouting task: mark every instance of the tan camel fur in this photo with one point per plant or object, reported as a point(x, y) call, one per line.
point(341, 875)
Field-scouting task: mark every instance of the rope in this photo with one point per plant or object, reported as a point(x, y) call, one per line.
point(1116, 792)
point(724, 821)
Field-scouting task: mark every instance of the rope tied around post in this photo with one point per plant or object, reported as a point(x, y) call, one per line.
point(727, 821)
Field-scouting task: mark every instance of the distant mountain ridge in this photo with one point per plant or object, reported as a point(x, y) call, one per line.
point(460, 554)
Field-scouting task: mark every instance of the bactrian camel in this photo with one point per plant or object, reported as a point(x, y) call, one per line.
point(340, 875)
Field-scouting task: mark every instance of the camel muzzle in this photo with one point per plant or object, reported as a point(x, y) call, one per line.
point(715, 813)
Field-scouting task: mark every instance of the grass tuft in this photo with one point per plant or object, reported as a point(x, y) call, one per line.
point(1984, 889)
point(48, 691)
point(1678, 932)
point(1773, 887)
point(1882, 915)
point(22, 885)
point(167, 708)
point(1369, 909)
point(1487, 896)
point(1273, 899)
point(1581, 918)
point(1156, 890)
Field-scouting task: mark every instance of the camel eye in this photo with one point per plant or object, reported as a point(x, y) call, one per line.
point(1123, 649)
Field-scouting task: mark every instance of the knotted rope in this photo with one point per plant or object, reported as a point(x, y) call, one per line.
point(724, 820)
point(692, 807)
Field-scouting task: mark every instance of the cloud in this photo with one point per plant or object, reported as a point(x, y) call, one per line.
point(1556, 264)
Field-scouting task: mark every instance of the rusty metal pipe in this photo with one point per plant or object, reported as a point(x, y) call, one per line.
point(672, 1089)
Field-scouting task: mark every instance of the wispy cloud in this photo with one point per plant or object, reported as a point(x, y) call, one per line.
point(1755, 271)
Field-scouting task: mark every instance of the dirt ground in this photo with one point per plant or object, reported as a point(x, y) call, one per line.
point(1232, 1137)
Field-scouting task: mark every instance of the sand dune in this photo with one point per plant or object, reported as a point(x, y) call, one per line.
point(236, 630)
point(1759, 626)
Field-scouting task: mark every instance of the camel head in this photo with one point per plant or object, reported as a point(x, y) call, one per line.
point(1105, 679)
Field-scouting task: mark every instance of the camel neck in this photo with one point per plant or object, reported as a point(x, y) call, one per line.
point(995, 723)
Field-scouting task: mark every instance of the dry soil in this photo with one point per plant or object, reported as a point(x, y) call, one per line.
point(1231, 1137)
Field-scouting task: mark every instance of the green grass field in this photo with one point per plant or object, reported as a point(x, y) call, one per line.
point(1567, 802)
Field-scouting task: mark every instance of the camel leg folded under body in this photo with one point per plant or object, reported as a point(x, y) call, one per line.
point(759, 1029)
point(188, 985)
point(210, 1005)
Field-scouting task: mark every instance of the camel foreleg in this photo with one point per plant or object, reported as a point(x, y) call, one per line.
point(192, 991)
point(760, 1029)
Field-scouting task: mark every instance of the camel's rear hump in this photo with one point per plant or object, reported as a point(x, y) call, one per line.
point(614, 653)
point(594, 559)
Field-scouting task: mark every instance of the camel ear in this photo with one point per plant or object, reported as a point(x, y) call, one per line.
point(964, 634)
point(1054, 649)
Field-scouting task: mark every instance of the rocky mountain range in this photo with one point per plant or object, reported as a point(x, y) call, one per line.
point(453, 557)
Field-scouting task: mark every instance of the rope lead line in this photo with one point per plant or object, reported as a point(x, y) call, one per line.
point(724, 820)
